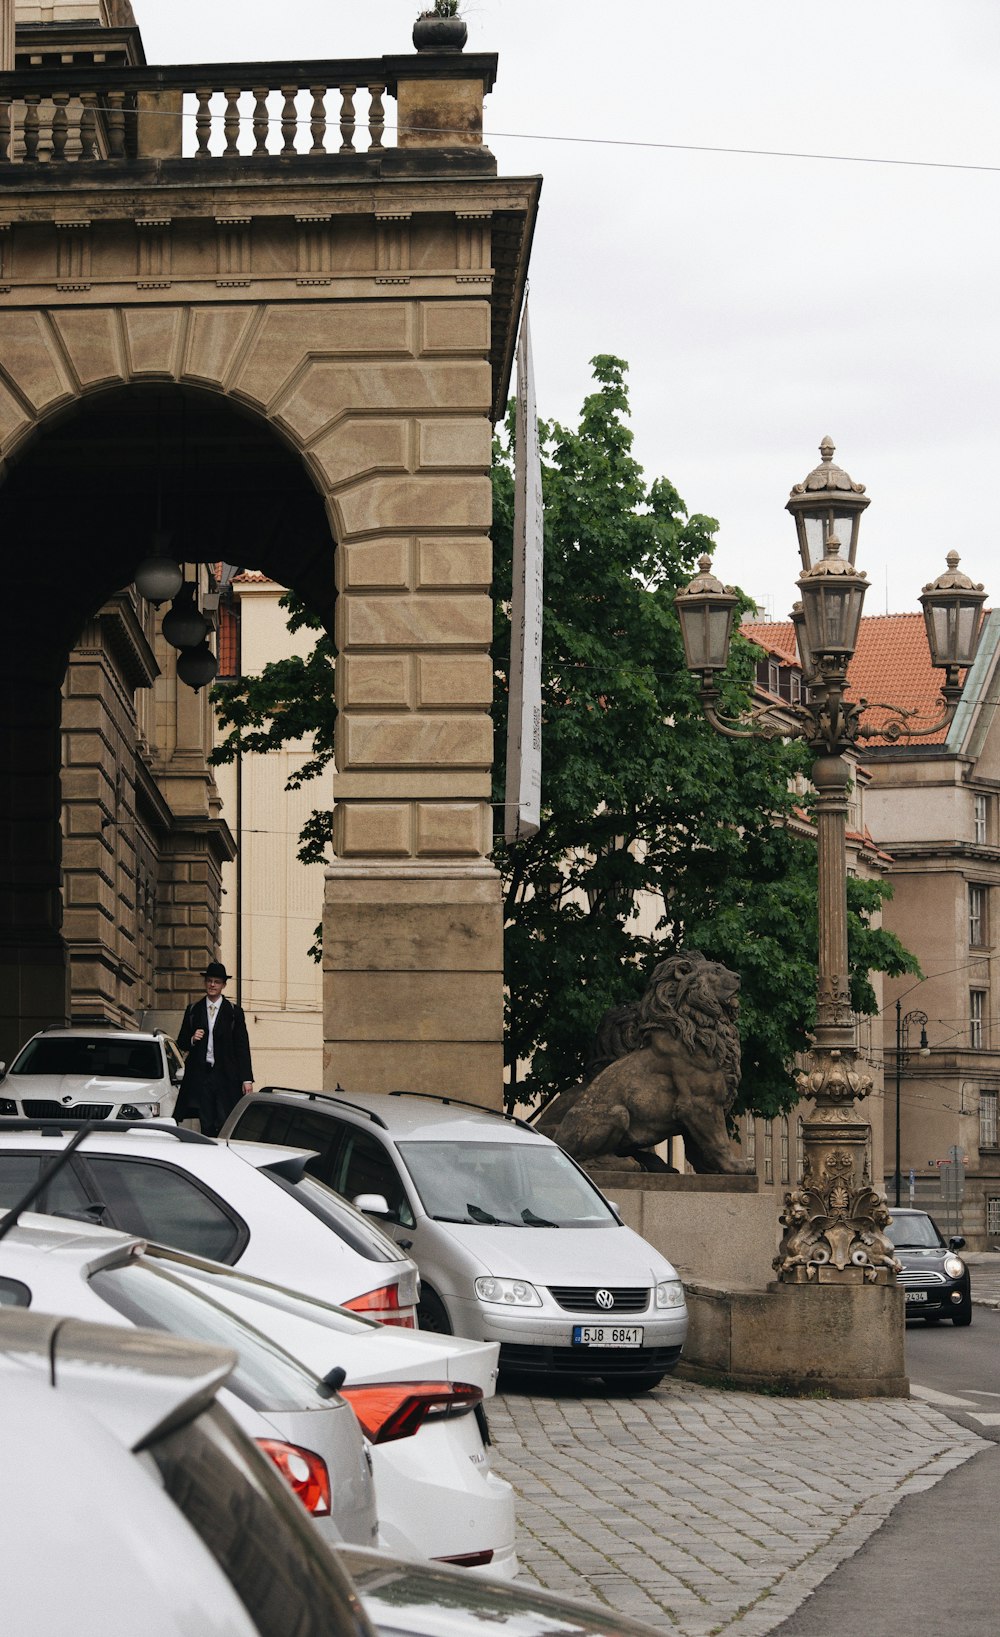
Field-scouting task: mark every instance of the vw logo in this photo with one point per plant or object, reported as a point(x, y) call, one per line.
point(605, 1298)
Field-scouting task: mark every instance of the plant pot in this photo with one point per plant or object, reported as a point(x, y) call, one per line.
point(434, 33)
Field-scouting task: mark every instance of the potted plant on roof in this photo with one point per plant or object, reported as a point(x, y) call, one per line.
point(440, 28)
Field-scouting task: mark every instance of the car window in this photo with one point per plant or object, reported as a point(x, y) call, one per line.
point(262, 1121)
point(521, 1184)
point(67, 1194)
point(262, 1539)
point(265, 1375)
point(914, 1233)
point(114, 1059)
point(367, 1168)
point(175, 1062)
point(154, 1200)
point(14, 1294)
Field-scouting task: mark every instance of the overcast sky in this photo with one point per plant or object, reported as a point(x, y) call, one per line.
point(761, 302)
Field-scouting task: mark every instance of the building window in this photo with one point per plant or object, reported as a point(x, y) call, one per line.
point(993, 1216)
point(795, 687)
point(981, 821)
point(769, 1151)
point(773, 677)
point(751, 1131)
point(977, 915)
point(987, 1119)
point(784, 1149)
point(799, 1149)
point(977, 1011)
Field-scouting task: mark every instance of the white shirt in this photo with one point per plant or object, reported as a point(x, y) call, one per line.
point(213, 1012)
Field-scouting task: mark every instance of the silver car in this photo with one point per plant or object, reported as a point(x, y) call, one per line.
point(133, 1502)
point(92, 1072)
point(514, 1242)
point(308, 1430)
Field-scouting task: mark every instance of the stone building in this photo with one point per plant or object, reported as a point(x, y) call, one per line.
point(270, 314)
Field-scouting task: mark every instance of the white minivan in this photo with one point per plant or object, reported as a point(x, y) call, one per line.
point(513, 1241)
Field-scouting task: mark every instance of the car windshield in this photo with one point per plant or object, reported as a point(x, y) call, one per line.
point(914, 1233)
point(519, 1185)
point(112, 1059)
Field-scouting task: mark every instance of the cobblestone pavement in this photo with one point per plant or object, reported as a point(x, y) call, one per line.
point(704, 1511)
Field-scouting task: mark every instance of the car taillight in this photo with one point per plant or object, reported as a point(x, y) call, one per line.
point(398, 1409)
point(382, 1304)
point(305, 1471)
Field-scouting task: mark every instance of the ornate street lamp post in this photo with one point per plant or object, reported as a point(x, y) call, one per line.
point(833, 1220)
point(902, 1058)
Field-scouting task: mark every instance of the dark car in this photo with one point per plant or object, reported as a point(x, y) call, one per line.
point(934, 1277)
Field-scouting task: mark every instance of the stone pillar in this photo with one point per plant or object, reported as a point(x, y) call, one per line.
point(413, 984)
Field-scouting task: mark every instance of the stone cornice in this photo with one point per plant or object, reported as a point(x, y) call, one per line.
point(123, 633)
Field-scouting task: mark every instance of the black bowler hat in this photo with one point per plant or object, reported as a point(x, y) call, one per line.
point(215, 969)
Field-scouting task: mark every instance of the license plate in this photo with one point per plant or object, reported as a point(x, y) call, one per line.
point(916, 1295)
point(607, 1335)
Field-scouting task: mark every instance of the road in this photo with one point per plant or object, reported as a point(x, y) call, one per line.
point(958, 1371)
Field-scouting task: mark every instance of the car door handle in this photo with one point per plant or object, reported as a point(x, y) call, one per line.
point(404, 1244)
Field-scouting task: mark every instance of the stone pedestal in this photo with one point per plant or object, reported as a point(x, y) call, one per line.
point(846, 1340)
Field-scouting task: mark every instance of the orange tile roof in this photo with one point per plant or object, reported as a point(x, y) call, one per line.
point(776, 636)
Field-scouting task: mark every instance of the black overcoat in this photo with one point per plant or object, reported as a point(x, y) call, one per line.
point(232, 1060)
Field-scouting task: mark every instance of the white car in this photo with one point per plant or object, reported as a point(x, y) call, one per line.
point(134, 1502)
point(513, 1240)
point(418, 1399)
point(92, 1072)
point(240, 1203)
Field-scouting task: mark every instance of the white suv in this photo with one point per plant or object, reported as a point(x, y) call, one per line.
point(92, 1073)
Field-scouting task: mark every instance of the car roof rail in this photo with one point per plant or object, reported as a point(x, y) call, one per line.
point(465, 1102)
point(85, 1023)
point(340, 1096)
point(56, 1127)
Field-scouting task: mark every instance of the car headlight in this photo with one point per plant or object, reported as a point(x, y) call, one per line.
point(508, 1292)
point(954, 1267)
point(670, 1293)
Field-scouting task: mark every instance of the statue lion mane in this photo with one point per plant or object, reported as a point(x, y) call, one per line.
point(666, 1066)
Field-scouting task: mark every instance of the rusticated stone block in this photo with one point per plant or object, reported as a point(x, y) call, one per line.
point(451, 829)
point(455, 443)
point(414, 741)
point(93, 344)
point(455, 326)
point(361, 447)
point(31, 359)
point(432, 1006)
point(426, 502)
point(14, 422)
point(453, 680)
point(215, 339)
point(324, 391)
point(472, 1070)
point(455, 562)
point(372, 829)
point(400, 935)
point(364, 680)
point(461, 621)
point(288, 335)
point(153, 339)
point(369, 565)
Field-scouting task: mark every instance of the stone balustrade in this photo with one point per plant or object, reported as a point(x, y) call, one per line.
point(55, 113)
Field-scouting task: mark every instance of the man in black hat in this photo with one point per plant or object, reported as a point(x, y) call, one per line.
point(218, 1071)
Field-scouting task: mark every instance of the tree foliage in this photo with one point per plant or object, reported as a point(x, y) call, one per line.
point(656, 832)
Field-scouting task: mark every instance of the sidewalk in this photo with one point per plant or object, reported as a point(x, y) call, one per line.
point(710, 1512)
point(984, 1267)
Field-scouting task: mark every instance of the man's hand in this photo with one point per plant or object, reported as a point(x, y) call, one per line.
point(247, 1087)
point(199, 1034)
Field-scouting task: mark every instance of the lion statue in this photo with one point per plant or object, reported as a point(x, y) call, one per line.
point(675, 1073)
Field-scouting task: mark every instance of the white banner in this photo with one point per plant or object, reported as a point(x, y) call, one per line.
point(522, 811)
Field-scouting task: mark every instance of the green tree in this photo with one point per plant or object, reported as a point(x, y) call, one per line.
point(643, 802)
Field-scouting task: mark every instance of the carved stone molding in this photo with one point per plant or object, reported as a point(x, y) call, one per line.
point(315, 249)
point(392, 247)
point(473, 246)
point(72, 253)
point(233, 245)
point(154, 252)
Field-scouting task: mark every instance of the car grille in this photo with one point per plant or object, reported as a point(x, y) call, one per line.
point(583, 1298)
point(39, 1108)
point(588, 1361)
point(921, 1276)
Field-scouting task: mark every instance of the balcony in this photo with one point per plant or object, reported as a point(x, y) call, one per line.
point(256, 121)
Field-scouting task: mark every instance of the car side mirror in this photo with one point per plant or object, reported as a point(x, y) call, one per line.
point(177, 1077)
point(956, 1243)
point(372, 1204)
point(3, 1071)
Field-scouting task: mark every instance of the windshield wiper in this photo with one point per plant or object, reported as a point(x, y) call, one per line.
point(465, 1219)
point(477, 1214)
point(533, 1221)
